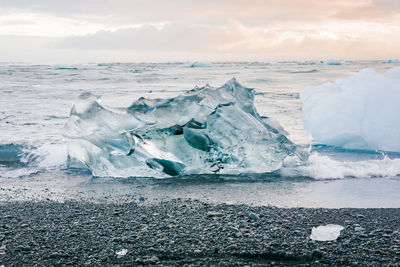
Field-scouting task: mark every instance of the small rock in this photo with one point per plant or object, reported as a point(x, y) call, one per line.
point(237, 234)
point(254, 216)
point(214, 214)
point(116, 239)
point(21, 248)
point(358, 229)
point(2, 250)
point(232, 229)
point(232, 247)
point(155, 259)
point(152, 260)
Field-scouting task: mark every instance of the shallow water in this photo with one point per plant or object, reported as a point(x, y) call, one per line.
point(35, 101)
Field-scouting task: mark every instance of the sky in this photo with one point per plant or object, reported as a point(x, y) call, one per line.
point(59, 31)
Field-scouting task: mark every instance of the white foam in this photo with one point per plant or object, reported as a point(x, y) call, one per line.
point(46, 156)
point(323, 167)
point(16, 173)
point(51, 155)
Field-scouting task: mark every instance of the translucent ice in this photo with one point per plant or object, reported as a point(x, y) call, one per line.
point(122, 252)
point(326, 232)
point(358, 112)
point(205, 130)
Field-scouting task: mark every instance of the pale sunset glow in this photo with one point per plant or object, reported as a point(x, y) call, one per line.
point(260, 30)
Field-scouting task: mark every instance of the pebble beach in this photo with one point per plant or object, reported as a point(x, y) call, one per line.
point(192, 233)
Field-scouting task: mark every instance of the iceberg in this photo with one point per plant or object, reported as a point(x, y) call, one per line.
point(333, 62)
point(196, 64)
point(358, 112)
point(203, 131)
point(391, 61)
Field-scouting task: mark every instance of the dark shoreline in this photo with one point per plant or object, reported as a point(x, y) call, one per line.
point(180, 232)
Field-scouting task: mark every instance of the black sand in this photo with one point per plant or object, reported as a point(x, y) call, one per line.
point(180, 232)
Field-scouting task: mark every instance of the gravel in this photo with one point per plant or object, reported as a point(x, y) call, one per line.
point(192, 233)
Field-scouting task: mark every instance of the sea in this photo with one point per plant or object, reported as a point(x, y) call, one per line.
point(36, 99)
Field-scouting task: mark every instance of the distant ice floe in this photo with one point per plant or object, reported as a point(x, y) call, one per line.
point(390, 61)
point(358, 112)
point(332, 62)
point(196, 64)
point(206, 130)
point(328, 232)
point(312, 62)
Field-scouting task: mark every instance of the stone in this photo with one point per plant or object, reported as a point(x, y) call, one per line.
point(254, 216)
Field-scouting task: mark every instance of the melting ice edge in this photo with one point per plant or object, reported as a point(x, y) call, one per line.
point(203, 131)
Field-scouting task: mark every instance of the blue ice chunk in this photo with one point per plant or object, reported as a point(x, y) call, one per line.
point(205, 130)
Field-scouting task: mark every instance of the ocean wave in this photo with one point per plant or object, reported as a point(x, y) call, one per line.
point(305, 71)
point(17, 160)
point(196, 64)
point(324, 163)
point(322, 167)
point(14, 154)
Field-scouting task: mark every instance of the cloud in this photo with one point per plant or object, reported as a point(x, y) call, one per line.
point(174, 36)
point(247, 11)
point(220, 29)
point(384, 11)
point(236, 41)
point(387, 4)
